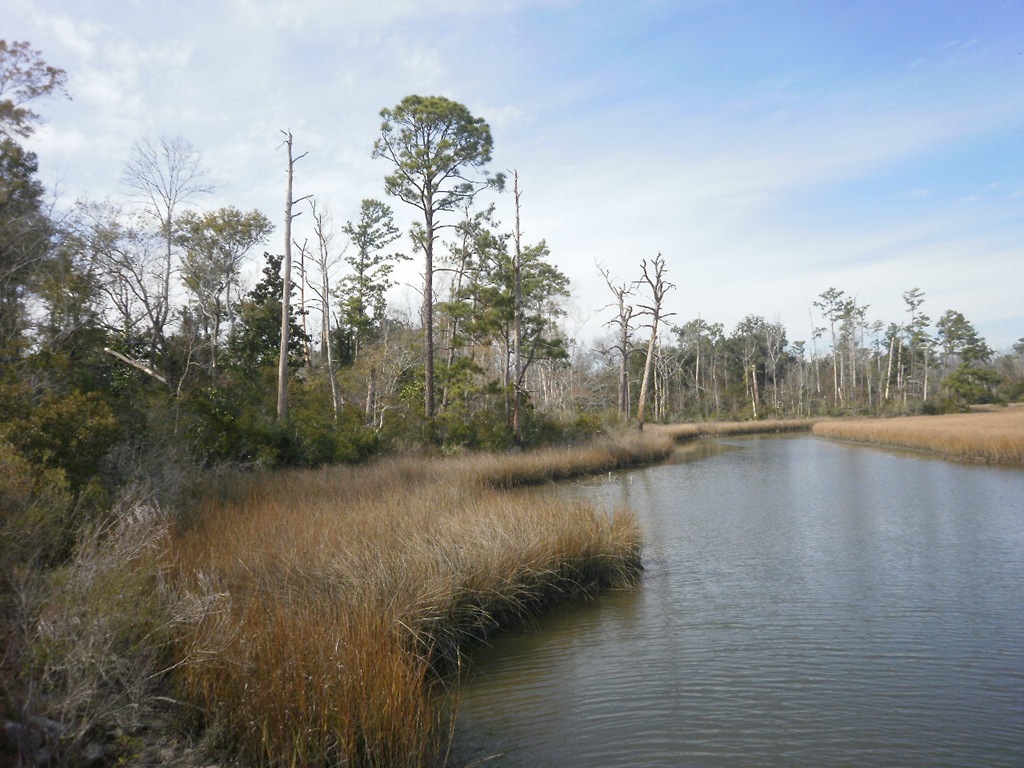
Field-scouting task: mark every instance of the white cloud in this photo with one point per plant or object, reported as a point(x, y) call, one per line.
point(713, 180)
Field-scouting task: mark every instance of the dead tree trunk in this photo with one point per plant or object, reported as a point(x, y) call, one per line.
point(282, 361)
point(623, 345)
point(658, 287)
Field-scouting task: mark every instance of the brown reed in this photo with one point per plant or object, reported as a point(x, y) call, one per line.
point(993, 435)
point(693, 431)
point(334, 601)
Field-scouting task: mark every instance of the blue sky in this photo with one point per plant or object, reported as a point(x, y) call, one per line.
point(769, 149)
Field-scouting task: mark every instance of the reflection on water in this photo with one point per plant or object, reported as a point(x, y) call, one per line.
point(805, 603)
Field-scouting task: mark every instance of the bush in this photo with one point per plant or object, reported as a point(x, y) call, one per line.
point(71, 433)
point(318, 439)
point(92, 637)
point(968, 386)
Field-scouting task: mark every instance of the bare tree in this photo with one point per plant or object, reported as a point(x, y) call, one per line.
point(164, 176)
point(129, 266)
point(624, 336)
point(290, 203)
point(324, 260)
point(654, 278)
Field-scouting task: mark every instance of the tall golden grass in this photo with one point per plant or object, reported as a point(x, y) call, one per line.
point(994, 436)
point(683, 432)
point(327, 603)
point(310, 617)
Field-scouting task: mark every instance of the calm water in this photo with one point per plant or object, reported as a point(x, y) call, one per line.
point(806, 603)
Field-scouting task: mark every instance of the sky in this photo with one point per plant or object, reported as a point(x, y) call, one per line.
point(769, 149)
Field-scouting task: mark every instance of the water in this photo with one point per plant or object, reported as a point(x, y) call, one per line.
point(805, 603)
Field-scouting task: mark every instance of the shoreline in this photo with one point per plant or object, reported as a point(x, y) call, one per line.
point(990, 436)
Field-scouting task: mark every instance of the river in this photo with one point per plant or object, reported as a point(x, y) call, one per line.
point(805, 603)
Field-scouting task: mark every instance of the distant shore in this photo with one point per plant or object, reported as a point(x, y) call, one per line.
point(991, 435)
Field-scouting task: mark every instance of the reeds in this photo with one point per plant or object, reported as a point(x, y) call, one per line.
point(693, 431)
point(993, 436)
point(331, 603)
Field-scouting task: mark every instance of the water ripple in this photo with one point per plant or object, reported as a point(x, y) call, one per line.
point(805, 603)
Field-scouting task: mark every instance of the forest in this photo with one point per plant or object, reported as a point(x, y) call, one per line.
point(146, 338)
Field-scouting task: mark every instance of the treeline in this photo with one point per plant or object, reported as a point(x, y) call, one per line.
point(852, 364)
point(131, 341)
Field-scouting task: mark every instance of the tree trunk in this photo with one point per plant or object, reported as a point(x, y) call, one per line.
point(371, 396)
point(642, 404)
point(428, 320)
point(658, 288)
point(517, 417)
point(282, 360)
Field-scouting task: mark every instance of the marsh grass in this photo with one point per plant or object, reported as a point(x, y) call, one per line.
point(312, 617)
point(994, 435)
point(336, 602)
point(693, 431)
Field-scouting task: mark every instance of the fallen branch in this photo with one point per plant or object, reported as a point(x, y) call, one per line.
point(136, 364)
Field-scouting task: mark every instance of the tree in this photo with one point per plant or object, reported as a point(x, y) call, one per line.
point(68, 288)
point(490, 318)
point(255, 342)
point(438, 150)
point(25, 231)
point(654, 278)
point(959, 341)
point(477, 243)
point(623, 345)
point(970, 385)
point(917, 337)
point(286, 283)
point(163, 177)
point(834, 306)
point(694, 341)
point(215, 244)
point(531, 289)
point(535, 287)
point(748, 341)
point(25, 227)
point(363, 290)
point(24, 77)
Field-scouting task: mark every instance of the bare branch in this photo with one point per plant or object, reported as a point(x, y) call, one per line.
point(136, 364)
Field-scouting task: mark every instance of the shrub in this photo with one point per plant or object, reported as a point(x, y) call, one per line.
point(71, 433)
point(92, 638)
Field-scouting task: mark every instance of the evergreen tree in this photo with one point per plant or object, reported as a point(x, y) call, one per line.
point(255, 342)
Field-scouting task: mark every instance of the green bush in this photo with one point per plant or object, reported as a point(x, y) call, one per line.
point(40, 512)
point(968, 385)
point(70, 432)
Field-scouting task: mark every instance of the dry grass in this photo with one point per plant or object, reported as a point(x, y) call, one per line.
point(329, 601)
point(995, 435)
point(90, 639)
point(682, 432)
point(630, 449)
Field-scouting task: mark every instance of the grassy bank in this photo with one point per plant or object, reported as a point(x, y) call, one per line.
point(328, 601)
point(684, 432)
point(994, 436)
point(305, 617)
